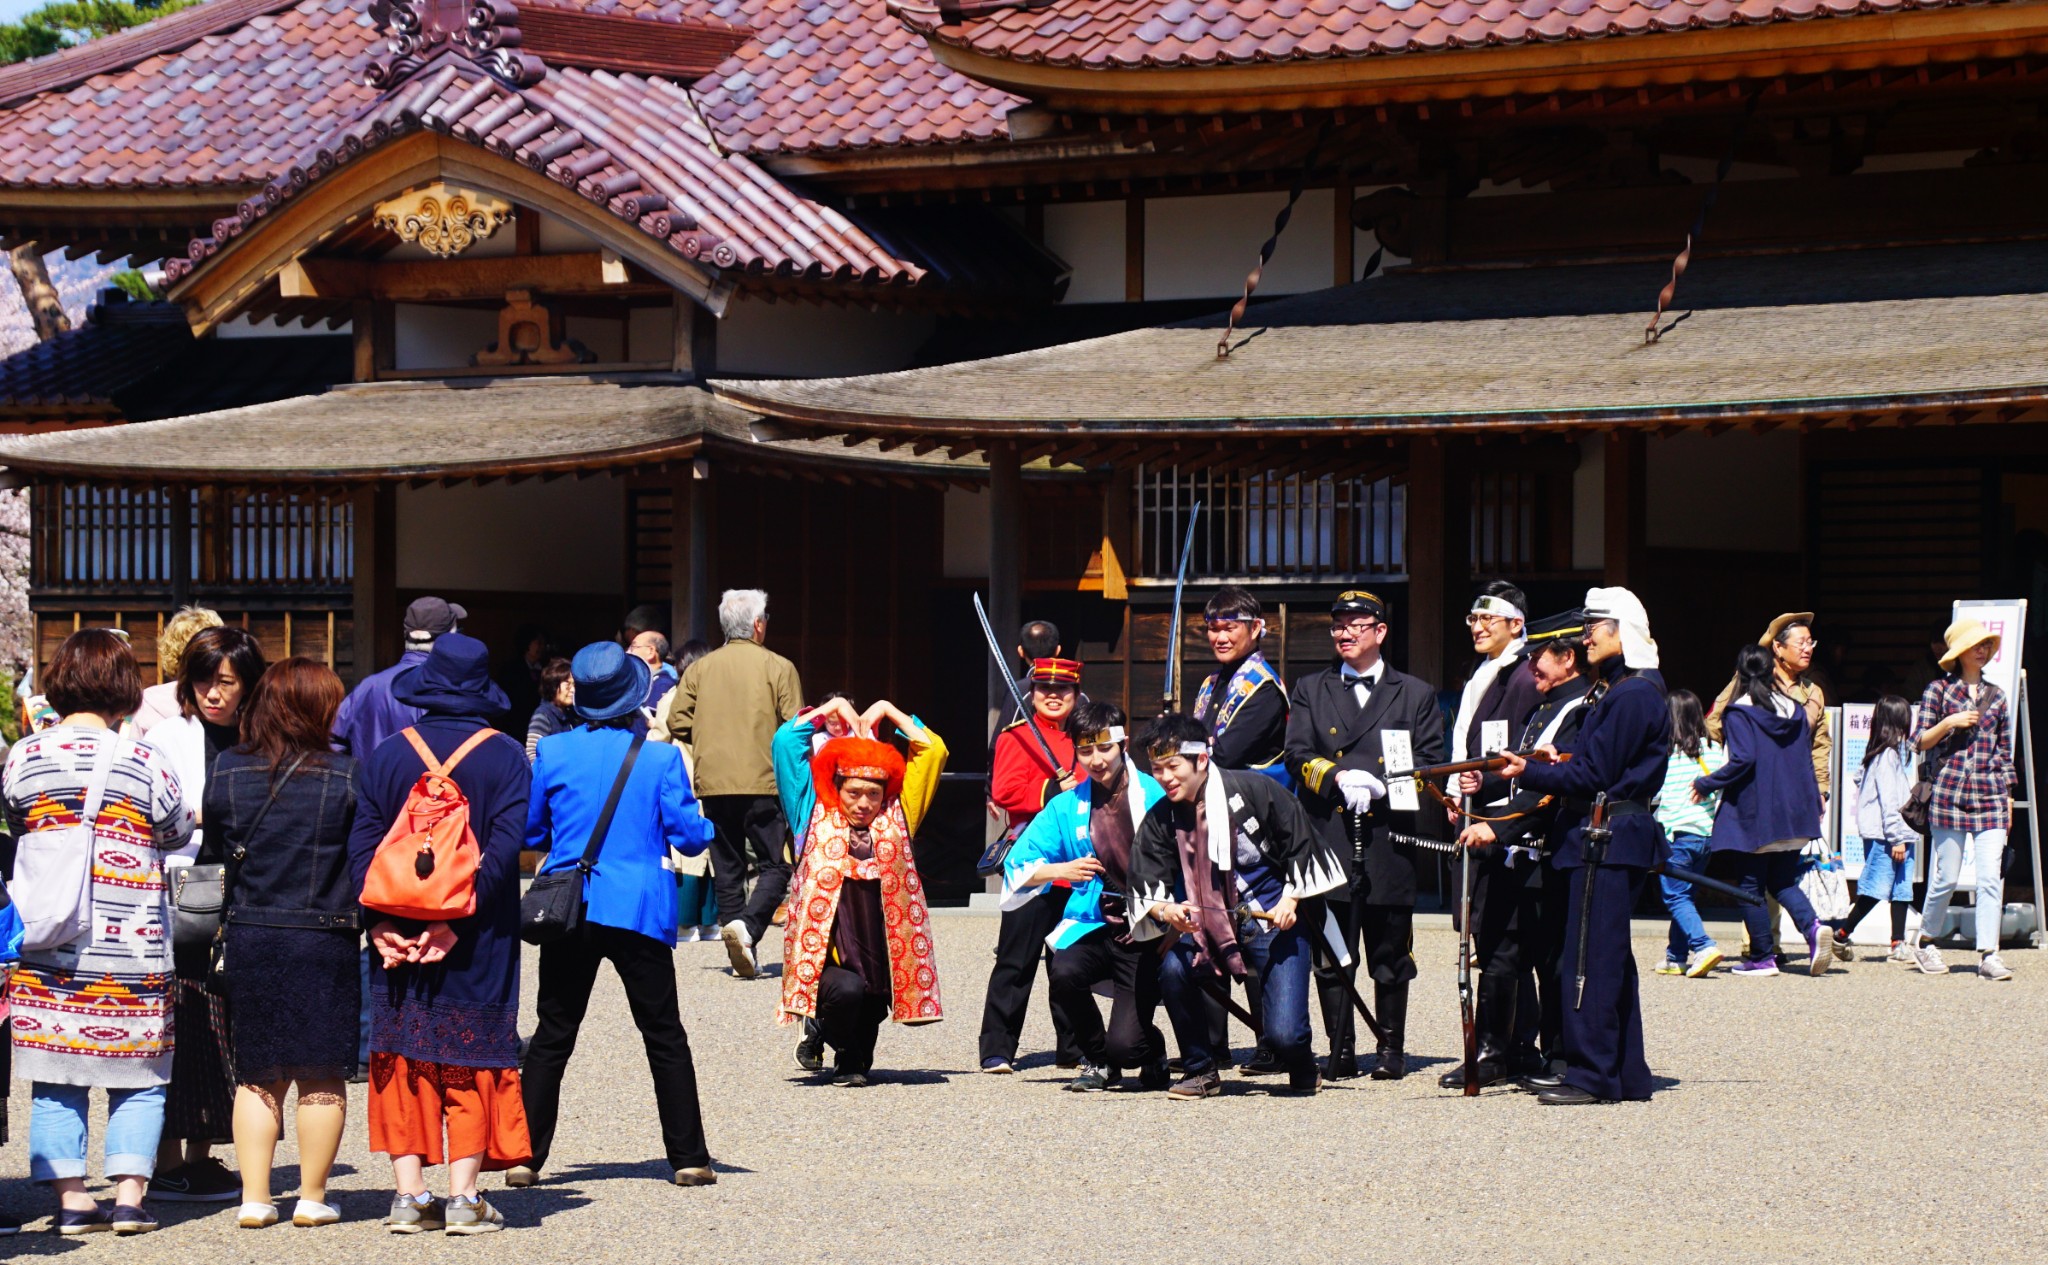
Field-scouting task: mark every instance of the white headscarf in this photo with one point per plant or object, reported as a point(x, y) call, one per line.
point(1638, 650)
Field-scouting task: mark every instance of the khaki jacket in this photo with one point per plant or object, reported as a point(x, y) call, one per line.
point(727, 708)
point(1816, 705)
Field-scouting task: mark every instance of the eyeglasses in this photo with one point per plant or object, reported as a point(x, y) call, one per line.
point(1357, 628)
point(1478, 620)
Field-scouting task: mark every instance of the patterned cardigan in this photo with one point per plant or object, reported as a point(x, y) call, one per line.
point(1973, 791)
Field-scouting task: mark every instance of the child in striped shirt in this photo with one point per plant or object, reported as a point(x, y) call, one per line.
point(1691, 951)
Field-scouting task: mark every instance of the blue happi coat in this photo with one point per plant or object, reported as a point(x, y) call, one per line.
point(1059, 833)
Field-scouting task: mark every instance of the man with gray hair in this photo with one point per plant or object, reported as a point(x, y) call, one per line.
point(726, 708)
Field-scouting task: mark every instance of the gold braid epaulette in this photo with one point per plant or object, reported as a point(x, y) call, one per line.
point(1317, 771)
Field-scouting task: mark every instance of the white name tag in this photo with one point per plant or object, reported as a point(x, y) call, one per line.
point(1493, 737)
point(1399, 755)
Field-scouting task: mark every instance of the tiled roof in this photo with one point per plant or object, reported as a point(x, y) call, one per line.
point(1829, 333)
point(841, 74)
point(631, 144)
point(83, 368)
point(1123, 34)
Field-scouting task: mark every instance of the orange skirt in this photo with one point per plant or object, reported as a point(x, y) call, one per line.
point(481, 1109)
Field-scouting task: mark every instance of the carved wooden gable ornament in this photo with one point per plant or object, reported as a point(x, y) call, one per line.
point(443, 219)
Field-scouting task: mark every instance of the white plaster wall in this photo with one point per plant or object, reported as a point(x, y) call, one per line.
point(559, 237)
point(1090, 237)
point(1589, 505)
point(805, 340)
point(967, 528)
point(1202, 247)
point(433, 337)
point(1730, 491)
point(532, 537)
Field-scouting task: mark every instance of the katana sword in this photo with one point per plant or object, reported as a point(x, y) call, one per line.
point(995, 650)
point(1663, 868)
point(1592, 847)
point(1180, 579)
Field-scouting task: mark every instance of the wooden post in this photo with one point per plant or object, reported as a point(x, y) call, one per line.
point(362, 328)
point(1134, 250)
point(180, 497)
point(1625, 508)
point(375, 597)
point(689, 560)
point(1439, 556)
point(1116, 535)
point(1005, 536)
point(696, 344)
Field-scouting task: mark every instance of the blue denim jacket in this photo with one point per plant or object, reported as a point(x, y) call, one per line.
point(293, 869)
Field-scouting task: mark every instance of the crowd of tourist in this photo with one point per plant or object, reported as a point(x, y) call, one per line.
point(247, 881)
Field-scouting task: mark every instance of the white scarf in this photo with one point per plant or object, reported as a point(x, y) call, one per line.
point(1482, 680)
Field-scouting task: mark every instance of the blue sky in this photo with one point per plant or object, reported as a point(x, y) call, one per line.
point(12, 9)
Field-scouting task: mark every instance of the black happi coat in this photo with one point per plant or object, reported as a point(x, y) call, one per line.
point(1261, 812)
point(1327, 733)
point(1555, 721)
point(1511, 697)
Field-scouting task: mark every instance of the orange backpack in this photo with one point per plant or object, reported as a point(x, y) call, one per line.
point(426, 866)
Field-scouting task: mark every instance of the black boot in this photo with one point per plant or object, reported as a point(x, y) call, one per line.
point(1491, 1066)
point(1390, 1002)
point(1496, 1024)
point(1343, 1064)
point(1262, 1063)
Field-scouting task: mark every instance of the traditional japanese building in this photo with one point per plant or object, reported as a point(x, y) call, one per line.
point(643, 301)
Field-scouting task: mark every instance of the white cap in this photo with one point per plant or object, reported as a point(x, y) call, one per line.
point(1638, 650)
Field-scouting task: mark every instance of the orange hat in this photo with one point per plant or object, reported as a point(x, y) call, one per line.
point(1056, 671)
point(864, 758)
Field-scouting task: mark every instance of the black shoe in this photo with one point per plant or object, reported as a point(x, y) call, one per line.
point(1392, 1065)
point(851, 1080)
point(1567, 1096)
point(1092, 1080)
point(810, 1051)
point(128, 1219)
point(1299, 1087)
point(1489, 1073)
point(71, 1221)
point(1263, 1063)
point(1154, 1077)
point(205, 1181)
point(1342, 1066)
point(1537, 1082)
point(1112, 1077)
point(1528, 1061)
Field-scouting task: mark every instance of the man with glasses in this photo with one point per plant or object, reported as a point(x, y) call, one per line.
point(1352, 731)
point(1022, 782)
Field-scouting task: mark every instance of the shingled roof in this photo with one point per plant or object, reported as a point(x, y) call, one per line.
point(1127, 34)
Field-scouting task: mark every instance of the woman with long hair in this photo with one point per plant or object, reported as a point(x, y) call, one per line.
point(1770, 807)
point(1888, 842)
point(281, 805)
point(1688, 822)
point(218, 669)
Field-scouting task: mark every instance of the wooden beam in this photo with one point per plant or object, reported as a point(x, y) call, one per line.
point(425, 281)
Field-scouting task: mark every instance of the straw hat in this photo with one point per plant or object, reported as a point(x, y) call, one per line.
point(1963, 634)
point(1782, 622)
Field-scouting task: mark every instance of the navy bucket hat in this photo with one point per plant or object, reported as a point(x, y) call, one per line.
point(609, 682)
point(454, 680)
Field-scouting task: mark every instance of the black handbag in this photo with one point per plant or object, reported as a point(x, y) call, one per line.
point(199, 893)
point(1917, 811)
point(553, 904)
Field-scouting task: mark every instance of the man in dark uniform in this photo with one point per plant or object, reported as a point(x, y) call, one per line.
point(1244, 703)
point(1352, 730)
point(1620, 751)
point(1516, 916)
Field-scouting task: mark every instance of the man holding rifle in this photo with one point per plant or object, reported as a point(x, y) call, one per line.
point(1617, 763)
point(1352, 731)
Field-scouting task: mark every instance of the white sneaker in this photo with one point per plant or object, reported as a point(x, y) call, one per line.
point(708, 933)
point(687, 935)
point(1901, 952)
point(739, 946)
point(1990, 967)
point(1703, 961)
point(1928, 959)
point(311, 1212)
point(256, 1216)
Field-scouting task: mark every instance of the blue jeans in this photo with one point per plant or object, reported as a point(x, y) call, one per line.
point(56, 1131)
point(1775, 874)
point(1688, 931)
point(1281, 961)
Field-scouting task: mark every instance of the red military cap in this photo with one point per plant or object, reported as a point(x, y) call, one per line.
point(1056, 672)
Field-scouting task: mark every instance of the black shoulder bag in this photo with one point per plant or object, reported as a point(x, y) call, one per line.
point(553, 904)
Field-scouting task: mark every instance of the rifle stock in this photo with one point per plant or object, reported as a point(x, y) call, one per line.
point(1491, 764)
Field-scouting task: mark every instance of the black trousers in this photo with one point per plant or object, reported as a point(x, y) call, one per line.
point(1387, 934)
point(1603, 1032)
point(1539, 1019)
point(1133, 1038)
point(1507, 918)
point(748, 824)
point(850, 1017)
point(1020, 946)
point(646, 967)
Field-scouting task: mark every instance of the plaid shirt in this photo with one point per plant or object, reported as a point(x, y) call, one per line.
point(1973, 791)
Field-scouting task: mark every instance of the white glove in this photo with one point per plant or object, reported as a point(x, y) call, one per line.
point(1359, 789)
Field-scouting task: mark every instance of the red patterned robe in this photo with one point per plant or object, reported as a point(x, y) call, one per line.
point(822, 873)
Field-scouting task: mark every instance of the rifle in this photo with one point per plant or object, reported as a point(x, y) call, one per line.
point(1592, 847)
point(1467, 1005)
point(1489, 764)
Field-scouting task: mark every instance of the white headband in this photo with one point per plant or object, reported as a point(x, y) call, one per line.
point(1488, 604)
point(1194, 748)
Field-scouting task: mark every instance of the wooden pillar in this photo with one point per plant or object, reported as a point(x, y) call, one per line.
point(375, 597)
point(1343, 260)
point(1134, 250)
point(362, 328)
point(689, 560)
point(1005, 586)
point(696, 339)
point(1116, 535)
point(1624, 508)
point(1439, 556)
point(180, 497)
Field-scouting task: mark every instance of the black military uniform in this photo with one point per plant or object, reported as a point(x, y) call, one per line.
point(1330, 730)
point(1517, 917)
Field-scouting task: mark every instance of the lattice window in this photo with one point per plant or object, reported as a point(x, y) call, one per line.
point(1262, 524)
point(101, 537)
point(117, 541)
point(290, 539)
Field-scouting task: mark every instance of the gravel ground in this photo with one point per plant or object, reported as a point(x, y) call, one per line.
point(1872, 1114)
